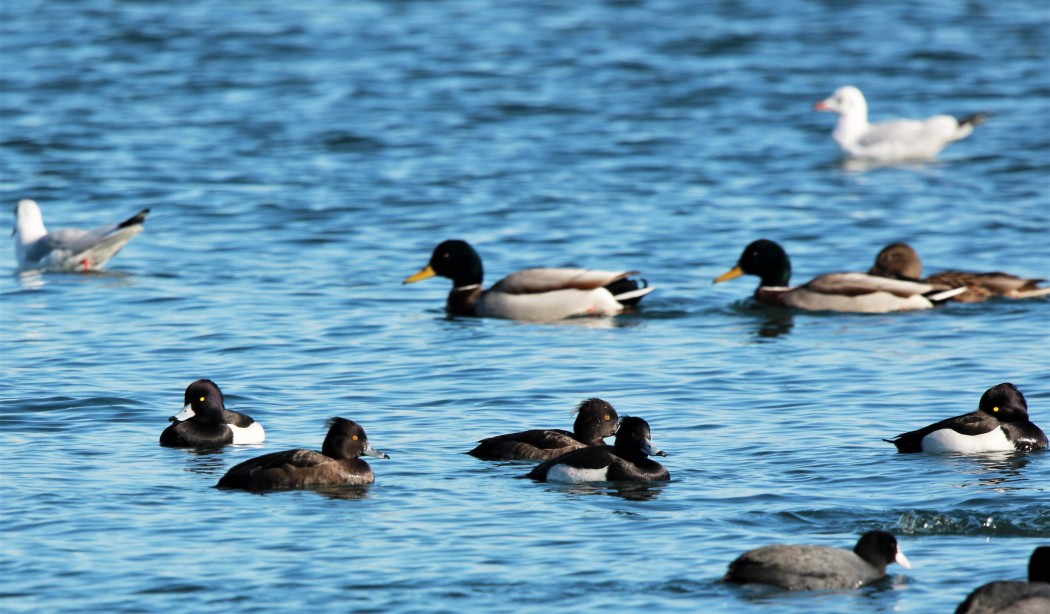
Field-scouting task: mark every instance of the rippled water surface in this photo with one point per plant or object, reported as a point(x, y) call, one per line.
point(301, 159)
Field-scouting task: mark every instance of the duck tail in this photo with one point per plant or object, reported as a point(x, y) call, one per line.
point(906, 443)
point(1031, 289)
point(941, 296)
point(629, 292)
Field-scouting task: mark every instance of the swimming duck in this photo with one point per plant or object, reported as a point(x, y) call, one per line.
point(538, 295)
point(204, 421)
point(1029, 597)
point(807, 568)
point(337, 464)
point(900, 261)
point(894, 140)
point(68, 249)
point(853, 292)
point(999, 424)
point(627, 460)
point(595, 420)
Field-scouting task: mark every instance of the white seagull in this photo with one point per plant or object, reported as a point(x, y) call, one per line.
point(68, 249)
point(893, 140)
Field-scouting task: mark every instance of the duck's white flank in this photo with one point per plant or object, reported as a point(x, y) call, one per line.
point(875, 302)
point(253, 433)
point(548, 306)
point(947, 440)
point(565, 473)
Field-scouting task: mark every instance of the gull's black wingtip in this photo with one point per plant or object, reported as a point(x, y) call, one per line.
point(138, 218)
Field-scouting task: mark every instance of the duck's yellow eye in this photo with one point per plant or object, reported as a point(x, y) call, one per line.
point(995, 409)
point(202, 399)
point(607, 417)
point(354, 437)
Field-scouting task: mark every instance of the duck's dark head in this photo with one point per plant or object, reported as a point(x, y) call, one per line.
point(595, 418)
point(454, 259)
point(765, 259)
point(1005, 402)
point(879, 548)
point(897, 261)
point(202, 401)
point(633, 436)
point(347, 439)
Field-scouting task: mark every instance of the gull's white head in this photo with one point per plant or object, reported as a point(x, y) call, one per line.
point(29, 222)
point(847, 100)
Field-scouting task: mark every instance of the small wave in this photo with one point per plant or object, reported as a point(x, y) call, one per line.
point(1032, 521)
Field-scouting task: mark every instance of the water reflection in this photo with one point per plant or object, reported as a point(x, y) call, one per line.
point(997, 469)
point(769, 322)
point(31, 280)
point(206, 461)
point(34, 280)
point(770, 595)
point(637, 491)
point(343, 492)
point(602, 322)
point(632, 491)
point(774, 325)
point(332, 491)
point(856, 165)
point(596, 322)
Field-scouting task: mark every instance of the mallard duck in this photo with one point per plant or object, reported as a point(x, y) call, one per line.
point(627, 460)
point(68, 249)
point(894, 140)
point(1000, 424)
point(204, 421)
point(807, 568)
point(337, 464)
point(538, 295)
point(853, 292)
point(595, 420)
point(1004, 596)
point(900, 261)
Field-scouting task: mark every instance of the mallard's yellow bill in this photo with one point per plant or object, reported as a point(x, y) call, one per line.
point(732, 274)
point(427, 272)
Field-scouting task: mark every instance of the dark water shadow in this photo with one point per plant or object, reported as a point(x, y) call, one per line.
point(625, 320)
point(768, 322)
point(774, 325)
point(206, 461)
point(343, 492)
point(767, 594)
point(631, 491)
point(210, 460)
point(998, 470)
point(330, 491)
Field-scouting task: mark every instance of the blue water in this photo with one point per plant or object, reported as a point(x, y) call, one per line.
point(301, 159)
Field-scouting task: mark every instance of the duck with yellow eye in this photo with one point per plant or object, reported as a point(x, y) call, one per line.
point(595, 420)
point(530, 295)
point(337, 464)
point(849, 292)
point(627, 460)
point(1000, 424)
point(204, 421)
